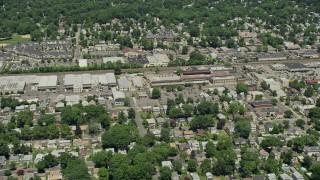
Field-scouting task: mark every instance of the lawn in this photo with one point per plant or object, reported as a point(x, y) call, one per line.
point(16, 39)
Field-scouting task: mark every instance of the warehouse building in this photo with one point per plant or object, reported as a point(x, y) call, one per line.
point(118, 97)
point(81, 82)
point(296, 67)
point(15, 84)
point(158, 60)
point(12, 86)
point(47, 83)
point(124, 84)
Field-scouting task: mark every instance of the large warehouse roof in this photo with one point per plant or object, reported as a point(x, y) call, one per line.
point(47, 81)
point(88, 79)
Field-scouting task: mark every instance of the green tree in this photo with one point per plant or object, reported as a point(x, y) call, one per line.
point(208, 107)
point(103, 173)
point(104, 119)
point(165, 173)
point(175, 113)
point(24, 118)
point(271, 166)
point(76, 170)
point(298, 144)
point(13, 166)
point(119, 137)
point(156, 93)
point(318, 102)
point(314, 113)
point(249, 163)
point(206, 166)
point(185, 50)
point(64, 159)
point(269, 142)
point(242, 128)
point(94, 128)
point(242, 87)
point(165, 135)
point(131, 114)
point(307, 162)
point(126, 101)
point(300, 123)
point(201, 122)
point(274, 102)
point(192, 165)
point(177, 166)
point(315, 170)
point(47, 119)
point(234, 108)
point(102, 158)
point(309, 92)
point(288, 114)
point(7, 172)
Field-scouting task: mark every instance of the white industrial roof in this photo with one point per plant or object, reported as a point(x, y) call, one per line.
point(48, 81)
point(111, 78)
point(88, 79)
point(12, 85)
point(113, 59)
point(118, 95)
point(83, 62)
point(123, 83)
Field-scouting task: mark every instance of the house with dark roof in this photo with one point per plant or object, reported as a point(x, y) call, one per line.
point(261, 104)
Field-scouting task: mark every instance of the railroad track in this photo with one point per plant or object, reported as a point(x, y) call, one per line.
point(255, 63)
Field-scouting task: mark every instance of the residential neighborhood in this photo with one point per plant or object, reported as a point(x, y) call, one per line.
point(160, 89)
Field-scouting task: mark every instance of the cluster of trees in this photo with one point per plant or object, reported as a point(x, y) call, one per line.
point(224, 163)
point(79, 115)
point(117, 66)
point(139, 163)
point(196, 58)
point(41, 18)
point(73, 168)
point(11, 102)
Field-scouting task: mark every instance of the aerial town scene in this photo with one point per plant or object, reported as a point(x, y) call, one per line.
point(160, 89)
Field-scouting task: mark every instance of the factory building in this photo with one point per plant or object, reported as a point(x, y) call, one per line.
point(80, 82)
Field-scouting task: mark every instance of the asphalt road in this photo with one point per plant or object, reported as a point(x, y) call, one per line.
point(142, 130)
point(77, 53)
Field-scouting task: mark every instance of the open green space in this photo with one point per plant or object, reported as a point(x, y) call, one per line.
point(16, 38)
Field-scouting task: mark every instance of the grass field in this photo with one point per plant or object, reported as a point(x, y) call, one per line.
point(16, 39)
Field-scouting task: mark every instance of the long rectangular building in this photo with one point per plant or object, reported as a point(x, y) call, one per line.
point(15, 84)
point(79, 82)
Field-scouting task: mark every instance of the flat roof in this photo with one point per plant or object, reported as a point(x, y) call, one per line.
point(295, 65)
point(48, 81)
point(123, 82)
point(113, 59)
point(83, 62)
point(118, 95)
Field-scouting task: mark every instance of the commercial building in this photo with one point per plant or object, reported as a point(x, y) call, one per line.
point(124, 84)
point(270, 56)
point(118, 97)
point(113, 59)
point(12, 86)
point(158, 60)
point(223, 80)
point(163, 79)
point(296, 67)
point(80, 82)
point(15, 84)
point(47, 83)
